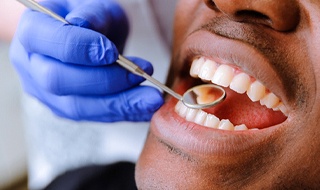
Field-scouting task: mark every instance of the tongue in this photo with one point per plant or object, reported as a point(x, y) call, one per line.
point(239, 109)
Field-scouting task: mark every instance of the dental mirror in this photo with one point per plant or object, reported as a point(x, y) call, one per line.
point(198, 97)
point(203, 96)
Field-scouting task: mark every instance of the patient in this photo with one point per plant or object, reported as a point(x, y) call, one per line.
point(265, 135)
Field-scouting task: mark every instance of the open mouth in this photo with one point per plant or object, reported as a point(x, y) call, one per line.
point(249, 104)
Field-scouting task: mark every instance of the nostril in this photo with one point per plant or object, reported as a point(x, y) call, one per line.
point(211, 4)
point(280, 15)
point(252, 16)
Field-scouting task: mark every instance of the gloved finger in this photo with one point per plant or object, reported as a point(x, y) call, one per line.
point(40, 33)
point(65, 79)
point(106, 17)
point(137, 104)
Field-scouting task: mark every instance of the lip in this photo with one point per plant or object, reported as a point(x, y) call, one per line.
point(176, 132)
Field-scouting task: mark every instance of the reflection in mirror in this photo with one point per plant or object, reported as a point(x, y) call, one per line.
point(203, 96)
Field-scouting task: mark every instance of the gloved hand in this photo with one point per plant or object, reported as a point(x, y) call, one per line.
point(72, 69)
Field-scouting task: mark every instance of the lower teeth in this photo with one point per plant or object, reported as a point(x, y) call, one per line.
point(205, 119)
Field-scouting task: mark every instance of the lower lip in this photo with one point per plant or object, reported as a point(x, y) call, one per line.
point(191, 138)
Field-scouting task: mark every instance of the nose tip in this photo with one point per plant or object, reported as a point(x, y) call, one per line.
point(281, 15)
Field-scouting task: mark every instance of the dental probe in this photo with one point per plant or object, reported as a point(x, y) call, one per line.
point(37, 7)
point(189, 98)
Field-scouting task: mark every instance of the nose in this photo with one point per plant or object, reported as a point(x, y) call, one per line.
point(281, 15)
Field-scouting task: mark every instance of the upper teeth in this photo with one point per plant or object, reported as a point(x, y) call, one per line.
point(240, 82)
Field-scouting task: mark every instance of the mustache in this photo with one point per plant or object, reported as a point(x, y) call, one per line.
point(251, 34)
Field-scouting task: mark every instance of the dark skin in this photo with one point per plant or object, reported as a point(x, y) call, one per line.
point(275, 43)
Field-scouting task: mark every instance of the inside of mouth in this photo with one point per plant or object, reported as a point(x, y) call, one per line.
point(239, 109)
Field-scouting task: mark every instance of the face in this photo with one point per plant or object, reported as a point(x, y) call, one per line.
point(265, 135)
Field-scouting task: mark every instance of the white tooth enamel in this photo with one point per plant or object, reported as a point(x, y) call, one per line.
point(196, 67)
point(201, 117)
point(254, 129)
point(283, 109)
point(178, 106)
point(208, 120)
point(181, 109)
point(207, 70)
point(211, 121)
point(256, 91)
point(226, 125)
point(240, 83)
point(270, 100)
point(191, 114)
point(276, 109)
point(242, 127)
point(223, 75)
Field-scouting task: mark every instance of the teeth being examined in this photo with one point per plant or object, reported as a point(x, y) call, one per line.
point(238, 81)
point(208, 120)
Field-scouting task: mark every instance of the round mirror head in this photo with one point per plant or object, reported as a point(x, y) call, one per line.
point(203, 96)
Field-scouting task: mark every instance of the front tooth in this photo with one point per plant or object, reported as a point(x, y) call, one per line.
point(208, 69)
point(191, 114)
point(226, 125)
point(211, 121)
point(200, 117)
point(270, 100)
point(196, 67)
point(223, 76)
point(240, 83)
point(256, 91)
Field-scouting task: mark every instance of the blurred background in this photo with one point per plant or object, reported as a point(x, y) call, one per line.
point(13, 157)
point(13, 164)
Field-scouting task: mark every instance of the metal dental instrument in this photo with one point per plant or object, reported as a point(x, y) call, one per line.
point(198, 97)
point(191, 97)
point(37, 7)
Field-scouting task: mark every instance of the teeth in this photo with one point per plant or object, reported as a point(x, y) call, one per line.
point(226, 125)
point(282, 108)
point(196, 67)
point(201, 117)
point(223, 76)
point(191, 114)
point(256, 91)
point(205, 119)
point(242, 127)
point(270, 101)
point(211, 121)
point(240, 82)
point(207, 70)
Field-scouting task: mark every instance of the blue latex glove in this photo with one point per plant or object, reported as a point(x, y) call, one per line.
point(71, 69)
